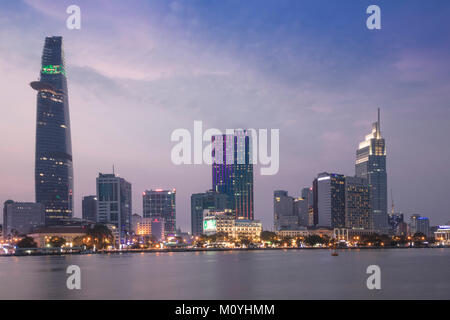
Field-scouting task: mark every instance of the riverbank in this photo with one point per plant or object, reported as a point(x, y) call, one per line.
point(168, 250)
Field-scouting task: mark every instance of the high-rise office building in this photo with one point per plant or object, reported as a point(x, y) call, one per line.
point(232, 171)
point(308, 196)
point(160, 203)
point(89, 206)
point(201, 201)
point(419, 224)
point(53, 163)
point(114, 205)
point(371, 165)
point(358, 211)
point(286, 211)
point(22, 217)
point(329, 200)
point(301, 210)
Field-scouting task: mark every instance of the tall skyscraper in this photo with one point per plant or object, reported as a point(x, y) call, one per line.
point(232, 171)
point(89, 207)
point(161, 204)
point(114, 204)
point(329, 200)
point(53, 163)
point(201, 201)
point(371, 165)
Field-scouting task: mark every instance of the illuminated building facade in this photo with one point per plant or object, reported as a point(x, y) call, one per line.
point(442, 235)
point(161, 203)
point(225, 222)
point(200, 201)
point(232, 171)
point(151, 227)
point(144, 227)
point(358, 210)
point(395, 221)
point(114, 204)
point(371, 165)
point(53, 163)
point(43, 235)
point(419, 224)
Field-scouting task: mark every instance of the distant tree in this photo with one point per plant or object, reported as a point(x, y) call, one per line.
point(80, 241)
point(419, 236)
point(57, 242)
point(268, 236)
point(286, 240)
point(150, 239)
point(419, 239)
point(314, 239)
point(222, 236)
point(137, 245)
point(245, 241)
point(100, 236)
point(26, 242)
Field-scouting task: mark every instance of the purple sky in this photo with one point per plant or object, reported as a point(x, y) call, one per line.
point(138, 70)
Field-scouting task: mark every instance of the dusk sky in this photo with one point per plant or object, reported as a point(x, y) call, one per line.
point(138, 70)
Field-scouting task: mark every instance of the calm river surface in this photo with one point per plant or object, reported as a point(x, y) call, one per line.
point(277, 274)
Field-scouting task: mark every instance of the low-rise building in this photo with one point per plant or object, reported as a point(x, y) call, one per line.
point(225, 222)
point(442, 235)
point(43, 235)
point(305, 232)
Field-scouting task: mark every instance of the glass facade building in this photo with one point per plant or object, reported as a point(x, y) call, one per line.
point(232, 171)
point(358, 210)
point(89, 207)
point(53, 163)
point(161, 204)
point(209, 200)
point(329, 200)
point(371, 165)
point(21, 218)
point(114, 205)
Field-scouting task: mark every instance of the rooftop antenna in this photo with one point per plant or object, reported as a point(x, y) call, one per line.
point(379, 124)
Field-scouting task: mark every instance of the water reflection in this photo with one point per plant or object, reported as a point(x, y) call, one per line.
point(286, 274)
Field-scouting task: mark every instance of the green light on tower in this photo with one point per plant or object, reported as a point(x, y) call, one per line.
point(53, 69)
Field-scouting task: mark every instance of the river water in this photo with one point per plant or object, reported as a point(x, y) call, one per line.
point(274, 274)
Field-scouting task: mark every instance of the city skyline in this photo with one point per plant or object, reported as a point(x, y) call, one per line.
point(312, 141)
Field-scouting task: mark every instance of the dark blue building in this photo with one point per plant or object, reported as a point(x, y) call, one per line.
point(53, 163)
point(232, 171)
